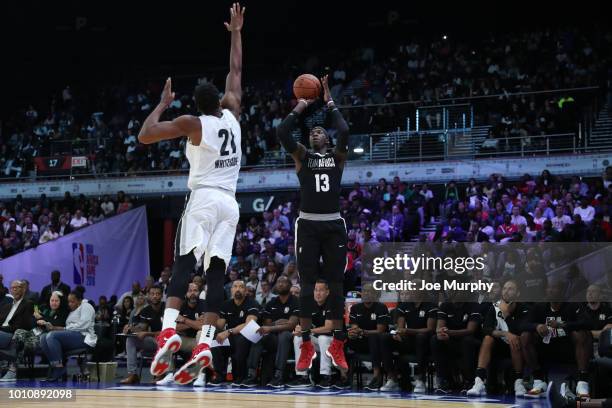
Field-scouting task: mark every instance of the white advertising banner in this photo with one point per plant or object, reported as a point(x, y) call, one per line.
point(263, 180)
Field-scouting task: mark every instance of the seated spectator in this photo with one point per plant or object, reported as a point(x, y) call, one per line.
point(502, 328)
point(586, 211)
point(553, 331)
point(143, 329)
point(78, 221)
point(49, 235)
point(188, 326)
point(457, 323)
point(64, 227)
point(280, 316)
point(598, 314)
point(321, 333)
point(235, 313)
point(14, 316)
point(79, 333)
point(53, 317)
point(103, 311)
point(367, 321)
point(29, 294)
point(416, 322)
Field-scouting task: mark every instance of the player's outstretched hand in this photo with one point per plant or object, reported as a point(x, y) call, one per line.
point(167, 95)
point(236, 18)
point(326, 93)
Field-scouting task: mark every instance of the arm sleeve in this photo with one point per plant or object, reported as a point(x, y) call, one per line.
point(342, 129)
point(283, 132)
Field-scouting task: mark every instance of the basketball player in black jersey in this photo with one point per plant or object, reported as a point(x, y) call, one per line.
point(320, 232)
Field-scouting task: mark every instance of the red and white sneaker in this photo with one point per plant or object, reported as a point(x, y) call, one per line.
point(200, 359)
point(335, 351)
point(168, 343)
point(307, 355)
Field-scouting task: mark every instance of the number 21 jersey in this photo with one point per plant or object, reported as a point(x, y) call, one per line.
point(320, 177)
point(216, 161)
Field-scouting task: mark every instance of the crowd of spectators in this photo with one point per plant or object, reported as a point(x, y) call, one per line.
point(25, 224)
point(419, 71)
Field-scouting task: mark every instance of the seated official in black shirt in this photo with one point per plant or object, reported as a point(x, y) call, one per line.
point(368, 320)
point(456, 326)
point(502, 329)
point(598, 314)
point(416, 322)
point(280, 316)
point(145, 326)
point(554, 331)
point(234, 314)
point(321, 332)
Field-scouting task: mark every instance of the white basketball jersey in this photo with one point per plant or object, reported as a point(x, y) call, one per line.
point(216, 161)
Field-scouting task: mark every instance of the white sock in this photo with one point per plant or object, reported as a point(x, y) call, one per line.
point(170, 316)
point(208, 334)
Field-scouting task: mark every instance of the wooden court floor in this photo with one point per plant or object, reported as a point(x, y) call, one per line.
point(91, 398)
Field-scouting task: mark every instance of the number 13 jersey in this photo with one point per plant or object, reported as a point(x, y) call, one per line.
point(216, 161)
point(320, 177)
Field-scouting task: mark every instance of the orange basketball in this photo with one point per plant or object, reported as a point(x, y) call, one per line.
point(307, 86)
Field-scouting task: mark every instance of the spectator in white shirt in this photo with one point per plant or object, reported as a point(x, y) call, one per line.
point(560, 220)
point(78, 221)
point(49, 235)
point(538, 218)
point(586, 211)
point(107, 206)
point(517, 219)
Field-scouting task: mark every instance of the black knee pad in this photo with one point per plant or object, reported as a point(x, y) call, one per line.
point(215, 279)
point(336, 300)
point(181, 275)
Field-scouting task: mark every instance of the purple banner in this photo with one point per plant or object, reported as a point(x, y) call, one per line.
point(105, 258)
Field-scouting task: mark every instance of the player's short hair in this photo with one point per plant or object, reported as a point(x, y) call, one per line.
point(206, 98)
point(323, 281)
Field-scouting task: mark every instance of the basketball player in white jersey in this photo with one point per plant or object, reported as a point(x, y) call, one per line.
point(208, 224)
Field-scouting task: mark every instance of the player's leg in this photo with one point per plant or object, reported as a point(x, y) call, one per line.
point(387, 346)
point(583, 346)
point(484, 358)
point(529, 343)
point(307, 252)
point(217, 254)
point(334, 265)
point(240, 351)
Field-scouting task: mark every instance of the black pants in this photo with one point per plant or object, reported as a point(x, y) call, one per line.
point(316, 240)
point(371, 345)
point(275, 349)
point(239, 351)
point(464, 350)
point(418, 344)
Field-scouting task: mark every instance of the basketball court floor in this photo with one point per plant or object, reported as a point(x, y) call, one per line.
point(90, 395)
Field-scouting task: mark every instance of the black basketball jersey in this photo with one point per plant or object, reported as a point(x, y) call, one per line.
point(320, 178)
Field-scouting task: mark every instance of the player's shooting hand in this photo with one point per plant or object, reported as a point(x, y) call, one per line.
point(326, 92)
point(236, 18)
point(167, 95)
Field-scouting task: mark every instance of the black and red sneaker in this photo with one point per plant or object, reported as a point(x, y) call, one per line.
point(335, 351)
point(168, 343)
point(307, 355)
point(200, 359)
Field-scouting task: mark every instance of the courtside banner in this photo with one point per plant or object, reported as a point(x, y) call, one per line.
point(477, 271)
point(105, 258)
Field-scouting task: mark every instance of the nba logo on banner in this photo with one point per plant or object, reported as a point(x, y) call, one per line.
point(84, 263)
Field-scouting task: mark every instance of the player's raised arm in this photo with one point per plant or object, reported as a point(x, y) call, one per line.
point(233, 87)
point(285, 129)
point(338, 122)
point(153, 130)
